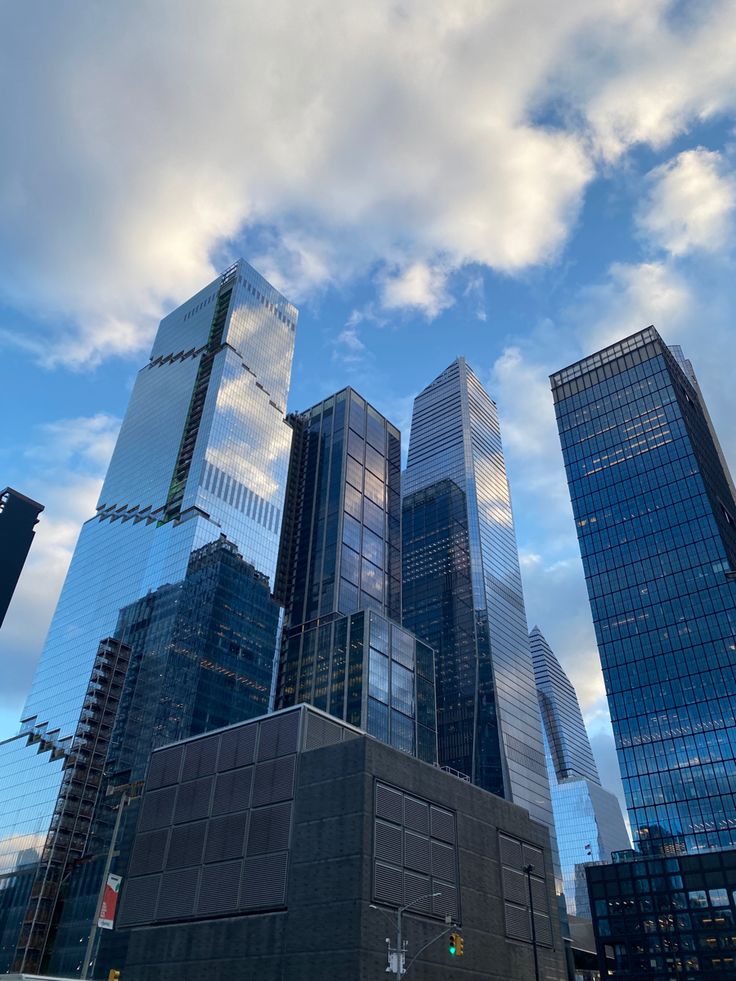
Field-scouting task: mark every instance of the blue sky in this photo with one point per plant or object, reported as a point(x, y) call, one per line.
point(518, 182)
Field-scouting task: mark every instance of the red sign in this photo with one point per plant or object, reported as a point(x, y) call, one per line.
point(109, 902)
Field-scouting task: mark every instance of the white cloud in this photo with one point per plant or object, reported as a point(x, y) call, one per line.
point(690, 203)
point(66, 463)
point(418, 286)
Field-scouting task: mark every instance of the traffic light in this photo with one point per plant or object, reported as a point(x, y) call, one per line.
point(113, 975)
point(460, 943)
point(452, 945)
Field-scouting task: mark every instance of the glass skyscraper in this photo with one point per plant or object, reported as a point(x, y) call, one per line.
point(588, 819)
point(203, 451)
point(462, 591)
point(201, 657)
point(656, 523)
point(344, 649)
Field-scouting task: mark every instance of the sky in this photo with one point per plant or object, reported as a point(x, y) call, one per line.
point(514, 181)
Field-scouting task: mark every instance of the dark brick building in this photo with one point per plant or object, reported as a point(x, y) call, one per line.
point(281, 848)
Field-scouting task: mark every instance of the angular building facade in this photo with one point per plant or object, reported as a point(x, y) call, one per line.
point(344, 649)
point(18, 519)
point(588, 818)
point(656, 523)
point(203, 451)
point(201, 653)
point(462, 591)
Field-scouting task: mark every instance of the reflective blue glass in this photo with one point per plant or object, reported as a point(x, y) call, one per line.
point(656, 521)
point(202, 453)
point(463, 595)
point(588, 819)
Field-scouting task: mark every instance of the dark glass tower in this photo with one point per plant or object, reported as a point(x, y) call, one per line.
point(339, 579)
point(18, 518)
point(462, 591)
point(201, 657)
point(588, 819)
point(656, 523)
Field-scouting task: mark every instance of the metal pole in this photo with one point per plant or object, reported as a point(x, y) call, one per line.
point(108, 866)
point(399, 949)
point(529, 869)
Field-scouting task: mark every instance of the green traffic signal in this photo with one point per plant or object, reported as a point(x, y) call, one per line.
point(452, 948)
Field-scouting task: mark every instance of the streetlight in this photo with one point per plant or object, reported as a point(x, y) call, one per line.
point(396, 963)
point(528, 869)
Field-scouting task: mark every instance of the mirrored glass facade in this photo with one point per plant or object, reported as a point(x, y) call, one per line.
point(201, 655)
point(671, 919)
point(203, 451)
point(588, 819)
point(656, 523)
point(462, 591)
point(339, 579)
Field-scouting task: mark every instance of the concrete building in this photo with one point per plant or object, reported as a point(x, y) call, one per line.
point(282, 848)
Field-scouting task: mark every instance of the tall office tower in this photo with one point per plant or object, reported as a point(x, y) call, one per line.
point(462, 591)
point(339, 579)
point(18, 519)
point(201, 653)
point(203, 451)
point(588, 819)
point(656, 523)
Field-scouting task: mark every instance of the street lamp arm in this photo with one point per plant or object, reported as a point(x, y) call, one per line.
point(429, 943)
point(428, 895)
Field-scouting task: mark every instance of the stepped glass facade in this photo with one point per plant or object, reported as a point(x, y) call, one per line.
point(656, 523)
point(203, 452)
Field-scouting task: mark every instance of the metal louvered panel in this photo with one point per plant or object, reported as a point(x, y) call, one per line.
point(138, 904)
point(514, 886)
point(321, 732)
point(263, 884)
point(446, 902)
point(389, 804)
point(269, 829)
point(443, 824)
point(274, 781)
point(416, 815)
point(443, 861)
point(416, 852)
point(416, 886)
point(186, 845)
point(157, 809)
point(219, 888)
point(388, 886)
point(232, 790)
point(532, 856)
point(543, 929)
point(225, 837)
point(539, 895)
point(237, 747)
point(517, 922)
point(388, 843)
point(510, 851)
point(200, 757)
point(149, 851)
point(164, 768)
point(193, 800)
point(279, 736)
point(177, 894)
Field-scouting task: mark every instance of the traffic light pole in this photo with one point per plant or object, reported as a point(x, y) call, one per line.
point(397, 966)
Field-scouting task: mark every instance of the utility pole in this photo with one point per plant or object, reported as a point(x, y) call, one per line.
point(129, 792)
point(528, 869)
point(397, 957)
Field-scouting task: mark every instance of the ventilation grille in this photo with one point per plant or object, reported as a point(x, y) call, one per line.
point(414, 853)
